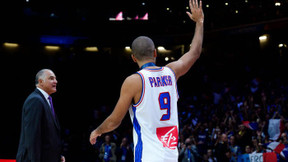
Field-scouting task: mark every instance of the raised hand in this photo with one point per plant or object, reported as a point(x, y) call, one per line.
point(196, 13)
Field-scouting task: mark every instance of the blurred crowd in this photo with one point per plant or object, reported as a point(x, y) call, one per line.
point(218, 122)
point(212, 124)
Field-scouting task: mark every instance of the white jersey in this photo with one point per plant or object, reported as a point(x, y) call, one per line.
point(155, 117)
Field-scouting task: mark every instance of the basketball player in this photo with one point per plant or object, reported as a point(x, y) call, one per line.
point(151, 97)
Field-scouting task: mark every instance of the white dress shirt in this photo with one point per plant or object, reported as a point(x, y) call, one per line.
point(45, 94)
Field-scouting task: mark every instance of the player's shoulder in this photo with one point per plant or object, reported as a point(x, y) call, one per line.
point(132, 83)
point(133, 79)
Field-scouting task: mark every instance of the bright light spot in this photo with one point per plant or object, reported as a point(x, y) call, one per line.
point(263, 38)
point(226, 4)
point(14, 45)
point(282, 45)
point(236, 11)
point(52, 48)
point(166, 58)
point(167, 8)
point(277, 4)
point(207, 6)
point(91, 49)
point(119, 17)
point(128, 49)
point(161, 48)
point(145, 17)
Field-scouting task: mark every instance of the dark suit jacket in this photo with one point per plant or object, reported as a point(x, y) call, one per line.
point(40, 131)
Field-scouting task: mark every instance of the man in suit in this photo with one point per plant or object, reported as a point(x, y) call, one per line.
point(40, 131)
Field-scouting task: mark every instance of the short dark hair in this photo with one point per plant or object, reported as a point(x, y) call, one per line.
point(143, 47)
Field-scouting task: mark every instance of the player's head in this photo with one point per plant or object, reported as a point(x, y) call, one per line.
point(143, 48)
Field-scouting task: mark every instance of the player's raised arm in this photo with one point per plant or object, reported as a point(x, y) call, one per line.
point(181, 66)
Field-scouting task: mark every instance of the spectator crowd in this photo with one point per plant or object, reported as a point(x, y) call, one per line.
point(220, 121)
point(221, 124)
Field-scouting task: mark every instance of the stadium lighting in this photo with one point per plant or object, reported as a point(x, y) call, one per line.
point(91, 49)
point(119, 17)
point(277, 4)
point(11, 45)
point(128, 49)
point(263, 38)
point(52, 48)
point(161, 48)
point(281, 45)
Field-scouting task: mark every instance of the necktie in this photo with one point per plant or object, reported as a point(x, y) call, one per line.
point(51, 104)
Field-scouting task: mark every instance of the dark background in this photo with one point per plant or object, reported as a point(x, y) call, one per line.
point(89, 82)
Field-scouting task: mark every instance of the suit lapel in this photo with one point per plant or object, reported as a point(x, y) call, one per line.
point(47, 106)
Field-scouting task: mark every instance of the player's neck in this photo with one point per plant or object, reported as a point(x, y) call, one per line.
point(147, 64)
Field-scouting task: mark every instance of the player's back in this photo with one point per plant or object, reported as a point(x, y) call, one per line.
point(155, 117)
